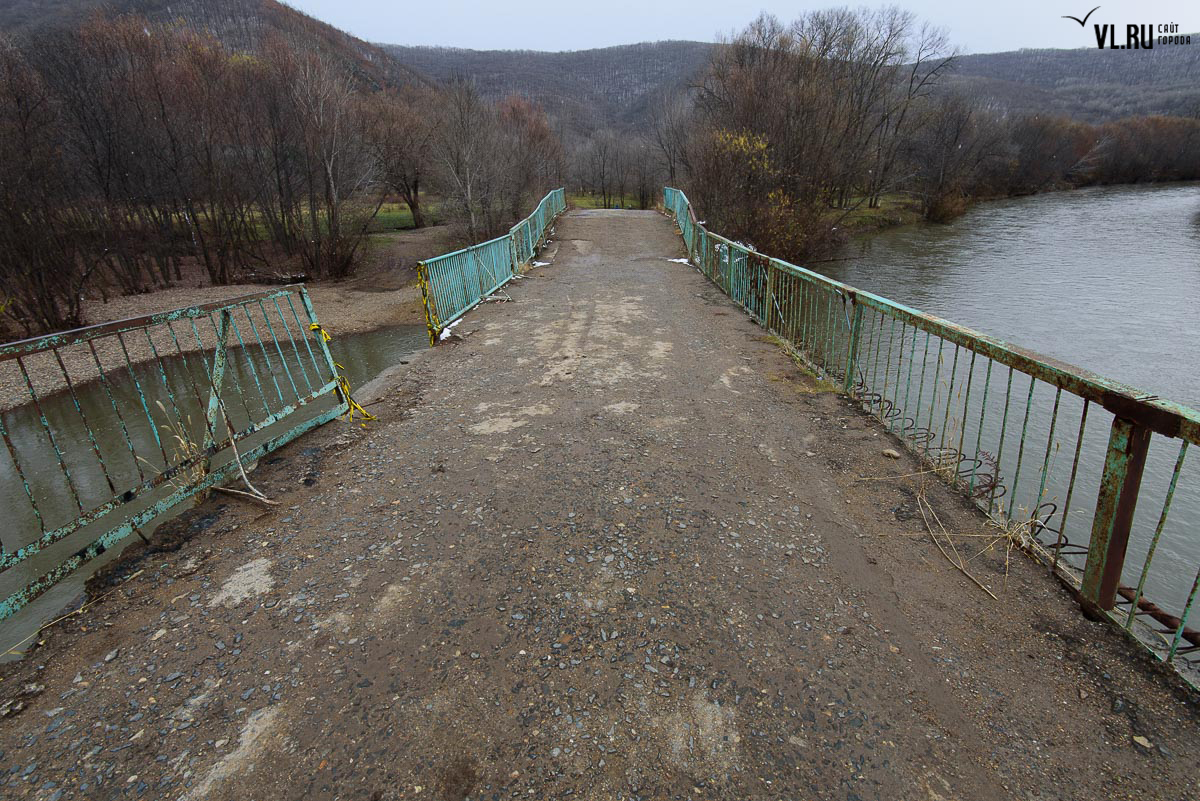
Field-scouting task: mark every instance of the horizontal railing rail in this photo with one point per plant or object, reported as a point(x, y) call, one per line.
point(1027, 437)
point(123, 421)
point(455, 283)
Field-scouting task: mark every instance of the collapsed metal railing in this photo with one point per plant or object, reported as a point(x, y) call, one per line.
point(125, 420)
point(938, 386)
point(453, 284)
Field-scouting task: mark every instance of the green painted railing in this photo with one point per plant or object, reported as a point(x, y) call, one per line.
point(1030, 439)
point(453, 284)
point(125, 421)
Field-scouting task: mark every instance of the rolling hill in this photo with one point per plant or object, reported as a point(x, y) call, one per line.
point(241, 25)
point(1088, 84)
point(585, 89)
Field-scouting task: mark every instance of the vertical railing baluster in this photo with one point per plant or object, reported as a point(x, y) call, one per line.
point(304, 338)
point(37, 405)
point(933, 401)
point(12, 455)
point(949, 404)
point(921, 395)
point(262, 347)
point(187, 371)
point(220, 337)
point(104, 382)
point(262, 395)
point(975, 460)
point(1062, 534)
point(1037, 502)
point(295, 348)
point(1158, 530)
point(966, 405)
point(1012, 499)
point(1000, 449)
point(87, 426)
point(137, 385)
point(886, 405)
point(216, 382)
point(1183, 619)
point(162, 374)
point(912, 358)
point(852, 348)
point(278, 349)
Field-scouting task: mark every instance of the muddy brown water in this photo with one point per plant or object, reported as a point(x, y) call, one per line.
point(363, 355)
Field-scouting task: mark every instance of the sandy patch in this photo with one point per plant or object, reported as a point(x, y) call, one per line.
point(242, 758)
point(249, 580)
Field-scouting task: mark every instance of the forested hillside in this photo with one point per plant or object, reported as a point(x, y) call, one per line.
point(584, 89)
point(237, 24)
point(616, 86)
point(1088, 84)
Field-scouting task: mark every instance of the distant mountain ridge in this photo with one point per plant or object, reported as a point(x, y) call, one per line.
point(1089, 84)
point(617, 86)
point(614, 86)
point(585, 89)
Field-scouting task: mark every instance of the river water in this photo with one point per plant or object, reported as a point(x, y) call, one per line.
point(1107, 279)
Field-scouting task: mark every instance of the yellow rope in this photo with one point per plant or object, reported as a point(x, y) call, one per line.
point(431, 320)
point(353, 407)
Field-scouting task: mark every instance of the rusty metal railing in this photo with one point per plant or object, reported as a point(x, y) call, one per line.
point(126, 420)
point(1030, 439)
point(454, 283)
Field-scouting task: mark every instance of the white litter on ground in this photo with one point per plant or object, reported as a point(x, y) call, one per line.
point(541, 264)
point(680, 261)
point(446, 331)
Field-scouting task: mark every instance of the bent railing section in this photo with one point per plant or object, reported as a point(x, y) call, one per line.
point(453, 284)
point(123, 421)
point(1081, 470)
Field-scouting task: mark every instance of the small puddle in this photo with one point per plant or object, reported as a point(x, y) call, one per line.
point(362, 357)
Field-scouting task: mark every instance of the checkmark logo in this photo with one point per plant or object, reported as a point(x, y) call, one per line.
point(1083, 21)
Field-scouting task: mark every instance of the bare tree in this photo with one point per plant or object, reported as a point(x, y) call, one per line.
point(402, 133)
point(669, 121)
point(337, 164)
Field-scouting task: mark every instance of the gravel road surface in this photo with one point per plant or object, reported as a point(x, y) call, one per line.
point(612, 543)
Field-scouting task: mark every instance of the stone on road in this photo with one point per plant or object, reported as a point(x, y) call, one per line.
point(613, 543)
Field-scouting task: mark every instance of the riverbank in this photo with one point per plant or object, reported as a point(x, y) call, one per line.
point(382, 294)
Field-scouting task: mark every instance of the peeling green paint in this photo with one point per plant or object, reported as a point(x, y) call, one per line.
point(186, 473)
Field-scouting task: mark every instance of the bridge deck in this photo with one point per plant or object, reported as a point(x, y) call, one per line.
point(612, 544)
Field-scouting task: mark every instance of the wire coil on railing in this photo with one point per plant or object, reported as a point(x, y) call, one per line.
point(989, 417)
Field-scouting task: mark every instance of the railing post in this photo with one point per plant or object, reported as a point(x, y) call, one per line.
point(213, 414)
point(852, 353)
point(1119, 485)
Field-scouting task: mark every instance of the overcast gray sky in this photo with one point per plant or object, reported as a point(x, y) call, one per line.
point(976, 27)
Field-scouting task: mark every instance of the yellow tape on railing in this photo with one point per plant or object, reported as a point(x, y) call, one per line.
point(352, 406)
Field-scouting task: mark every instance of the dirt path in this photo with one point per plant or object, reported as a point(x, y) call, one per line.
point(613, 544)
